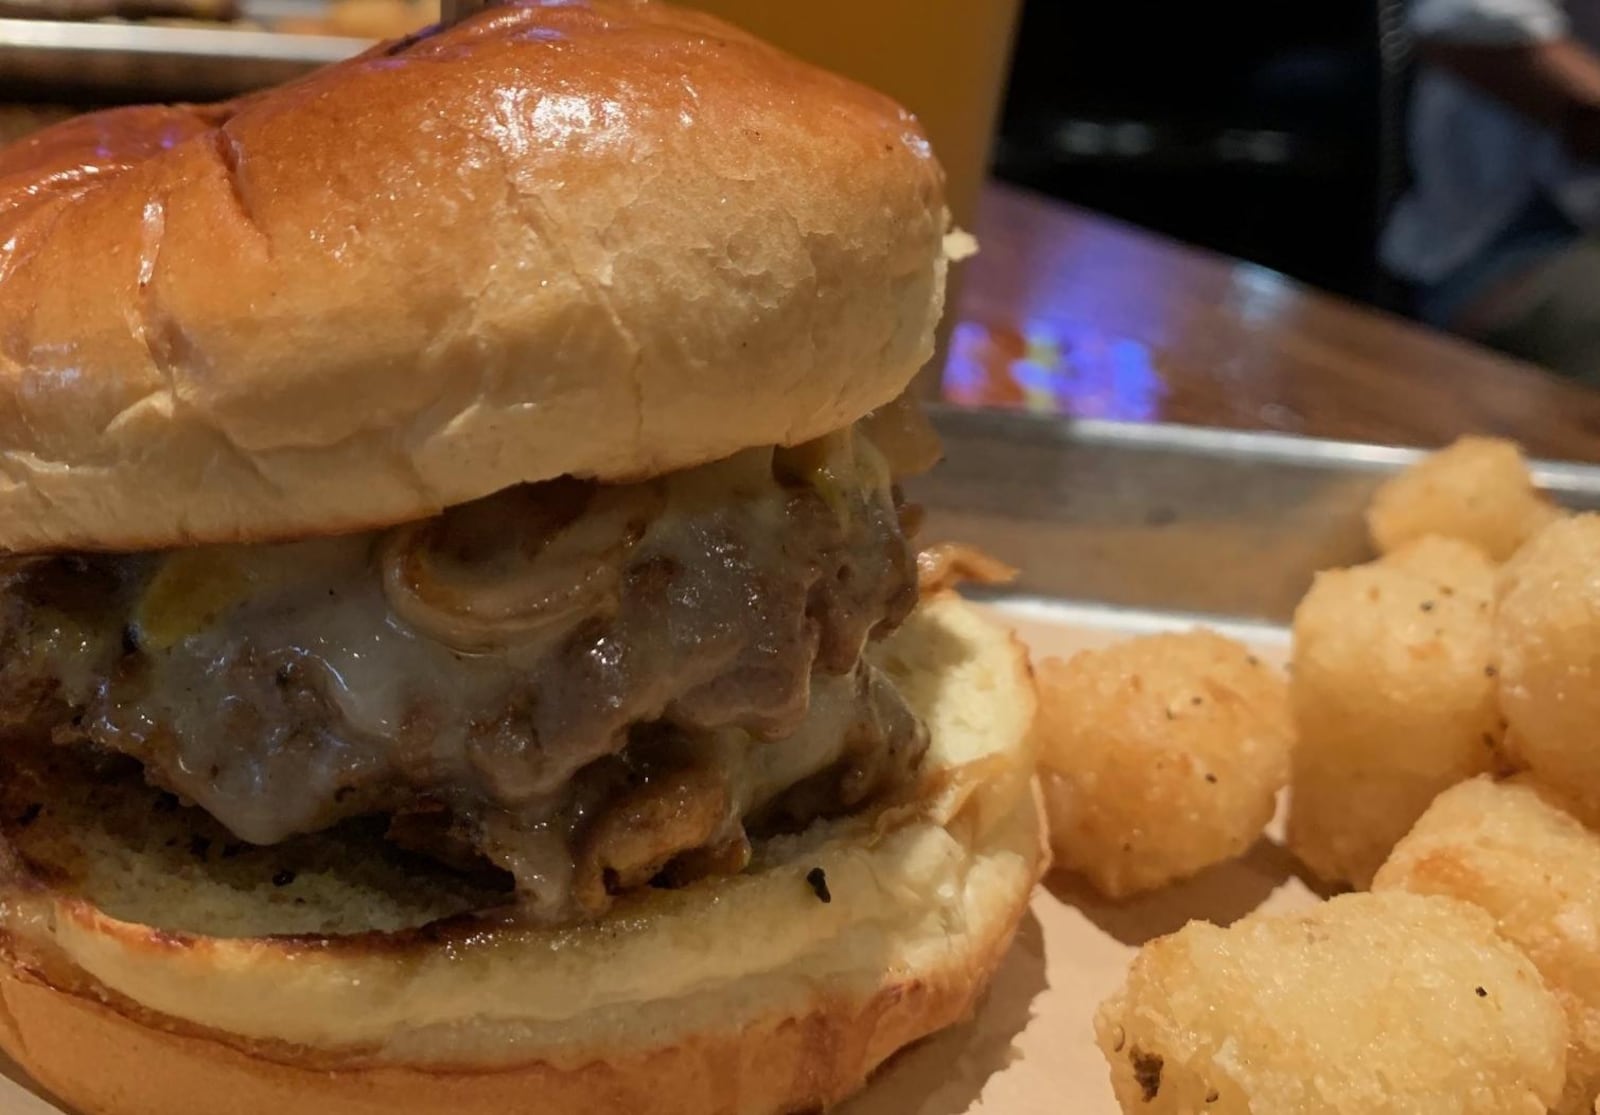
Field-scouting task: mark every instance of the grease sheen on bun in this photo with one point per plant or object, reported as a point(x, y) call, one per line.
point(747, 995)
point(608, 239)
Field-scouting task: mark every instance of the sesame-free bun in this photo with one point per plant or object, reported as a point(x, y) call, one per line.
point(606, 239)
point(743, 995)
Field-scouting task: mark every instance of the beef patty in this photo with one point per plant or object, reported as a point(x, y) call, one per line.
point(592, 686)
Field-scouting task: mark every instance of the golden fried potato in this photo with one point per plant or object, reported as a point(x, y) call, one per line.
point(1394, 700)
point(1455, 566)
point(1371, 1004)
point(1512, 850)
point(1547, 645)
point(1478, 490)
point(1160, 756)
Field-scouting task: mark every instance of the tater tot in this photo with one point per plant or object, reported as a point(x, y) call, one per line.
point(1547, 644)
point(1371, 1004)
point(1394, 700)
point(1478, 490)
point(1457, 567)
point(1512, 850)
point(1161, 756)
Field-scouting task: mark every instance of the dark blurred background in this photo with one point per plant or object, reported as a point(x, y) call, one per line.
point(1254, 128)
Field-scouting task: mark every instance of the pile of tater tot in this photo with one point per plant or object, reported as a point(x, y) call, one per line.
point(1439, 735)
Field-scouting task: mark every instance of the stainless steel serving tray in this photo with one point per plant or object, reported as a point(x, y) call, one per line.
point(1166, 519)
point(87, 61)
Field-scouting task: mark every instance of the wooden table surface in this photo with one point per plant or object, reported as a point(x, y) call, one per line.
point(1069, 311)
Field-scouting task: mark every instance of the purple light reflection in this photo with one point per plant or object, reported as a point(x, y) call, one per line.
point(1051, 366)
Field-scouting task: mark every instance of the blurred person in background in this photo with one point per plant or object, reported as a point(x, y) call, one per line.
point(1499, 230)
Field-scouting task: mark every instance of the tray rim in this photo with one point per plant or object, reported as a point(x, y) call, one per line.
point(1248, 446)
point(205, 43)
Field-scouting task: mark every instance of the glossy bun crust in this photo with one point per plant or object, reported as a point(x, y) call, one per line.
point(609, 238)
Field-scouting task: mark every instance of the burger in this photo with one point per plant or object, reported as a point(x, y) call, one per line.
point(461, 642)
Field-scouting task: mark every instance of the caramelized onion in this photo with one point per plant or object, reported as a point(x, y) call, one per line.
point(634, 839)
point(905, 437)
point(503, 570)
point(950, 563)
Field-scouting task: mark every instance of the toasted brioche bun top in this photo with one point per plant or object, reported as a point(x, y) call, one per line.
point(609, 238)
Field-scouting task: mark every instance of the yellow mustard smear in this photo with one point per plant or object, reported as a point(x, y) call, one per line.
point(190, 591)
point(837, 466)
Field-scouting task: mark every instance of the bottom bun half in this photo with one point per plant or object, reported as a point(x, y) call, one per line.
point(745, 995)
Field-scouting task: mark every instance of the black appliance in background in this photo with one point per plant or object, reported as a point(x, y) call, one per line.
point(1254, 128)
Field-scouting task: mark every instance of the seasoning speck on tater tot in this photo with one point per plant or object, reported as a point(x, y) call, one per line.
point(1393, 694)
point(1456, 567)
point(1547, 639)
point(1371, 1004)
point(1511, 849)
point(1160, 756)
point(1478, 490)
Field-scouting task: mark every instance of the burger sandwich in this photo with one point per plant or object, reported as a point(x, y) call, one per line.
point(461, 645)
